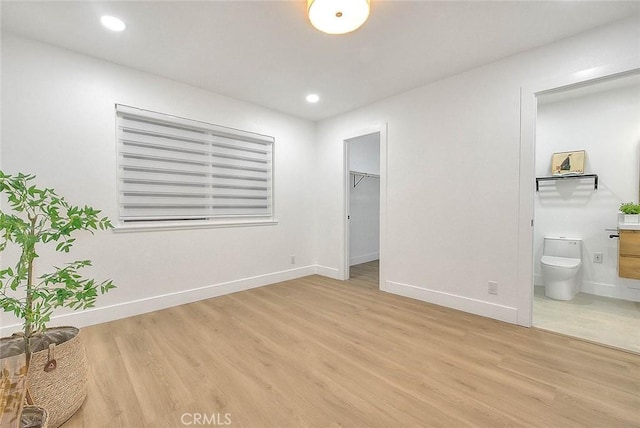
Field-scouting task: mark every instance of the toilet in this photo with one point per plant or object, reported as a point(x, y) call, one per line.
point(561, 261)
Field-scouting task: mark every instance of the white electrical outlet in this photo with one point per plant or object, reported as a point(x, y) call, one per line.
point(293, 260)
point(493, 287)
point(597, 257)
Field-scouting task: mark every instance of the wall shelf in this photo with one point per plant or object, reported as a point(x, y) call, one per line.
point(359, 176)
point(568, 177)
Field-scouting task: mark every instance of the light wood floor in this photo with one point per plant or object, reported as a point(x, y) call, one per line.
point(365, 275)
point(316, 352)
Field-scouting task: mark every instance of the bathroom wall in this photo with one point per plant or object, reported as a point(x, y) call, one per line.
point(603, 120)
point(364, 200)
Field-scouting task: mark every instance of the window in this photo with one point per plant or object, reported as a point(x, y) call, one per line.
point(173, 169)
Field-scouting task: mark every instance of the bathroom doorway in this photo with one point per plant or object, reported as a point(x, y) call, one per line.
point(600, 118)
point(362, 201)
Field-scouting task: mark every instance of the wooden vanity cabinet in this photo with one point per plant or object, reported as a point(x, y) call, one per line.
point(629, 254)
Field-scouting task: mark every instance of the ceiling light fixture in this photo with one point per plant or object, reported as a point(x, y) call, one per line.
point(113, 23)
point(337, 16)
point(313, 98)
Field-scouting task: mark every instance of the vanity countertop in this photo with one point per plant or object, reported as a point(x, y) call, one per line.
point(629, 226)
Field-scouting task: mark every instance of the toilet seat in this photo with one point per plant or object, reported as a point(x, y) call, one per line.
point(564, 262)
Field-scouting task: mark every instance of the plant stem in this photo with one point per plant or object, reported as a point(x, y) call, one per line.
point(29, 300)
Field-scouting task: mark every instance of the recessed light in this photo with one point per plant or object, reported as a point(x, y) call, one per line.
point(313, 98)
point(113, 23)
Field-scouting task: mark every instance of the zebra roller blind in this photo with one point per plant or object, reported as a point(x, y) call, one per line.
point(172, 168)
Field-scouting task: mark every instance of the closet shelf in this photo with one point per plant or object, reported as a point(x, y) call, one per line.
point(568, 177)
point(362, 176)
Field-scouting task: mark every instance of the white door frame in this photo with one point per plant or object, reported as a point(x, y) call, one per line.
point(528, 111)
point(382, 130)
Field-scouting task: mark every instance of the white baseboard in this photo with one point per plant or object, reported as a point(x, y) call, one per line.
point(136, 307)
point(328, 272)
point(356, 260)
point(473, 306)
point(619, 291)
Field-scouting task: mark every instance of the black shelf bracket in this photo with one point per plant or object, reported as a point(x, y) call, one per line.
point(568, 177)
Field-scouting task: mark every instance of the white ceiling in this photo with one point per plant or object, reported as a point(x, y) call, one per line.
point(267, 53)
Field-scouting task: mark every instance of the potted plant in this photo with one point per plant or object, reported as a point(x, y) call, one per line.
point(55, 360)
point(630, 212)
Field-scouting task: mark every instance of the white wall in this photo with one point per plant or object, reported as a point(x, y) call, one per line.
point(364, 153)
point(607, 125)
point(364, 199)
point(58, 122)
point(453, 174)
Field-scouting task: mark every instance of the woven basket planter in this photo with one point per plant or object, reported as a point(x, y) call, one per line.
point(34, 417)
point(57, 378)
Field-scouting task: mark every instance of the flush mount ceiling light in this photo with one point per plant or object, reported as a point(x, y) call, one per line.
point(313, 98)
point(113, 23)
point(337, 16)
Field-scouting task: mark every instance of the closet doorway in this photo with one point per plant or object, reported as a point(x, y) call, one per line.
point(363, 207)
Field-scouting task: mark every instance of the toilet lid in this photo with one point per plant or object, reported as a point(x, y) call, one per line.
point(560, 261)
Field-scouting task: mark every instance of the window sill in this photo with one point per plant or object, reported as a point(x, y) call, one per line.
point(150, 227)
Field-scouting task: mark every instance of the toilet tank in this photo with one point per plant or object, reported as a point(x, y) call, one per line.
point(559, 246)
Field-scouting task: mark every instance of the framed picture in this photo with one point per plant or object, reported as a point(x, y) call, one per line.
point(568, 163)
